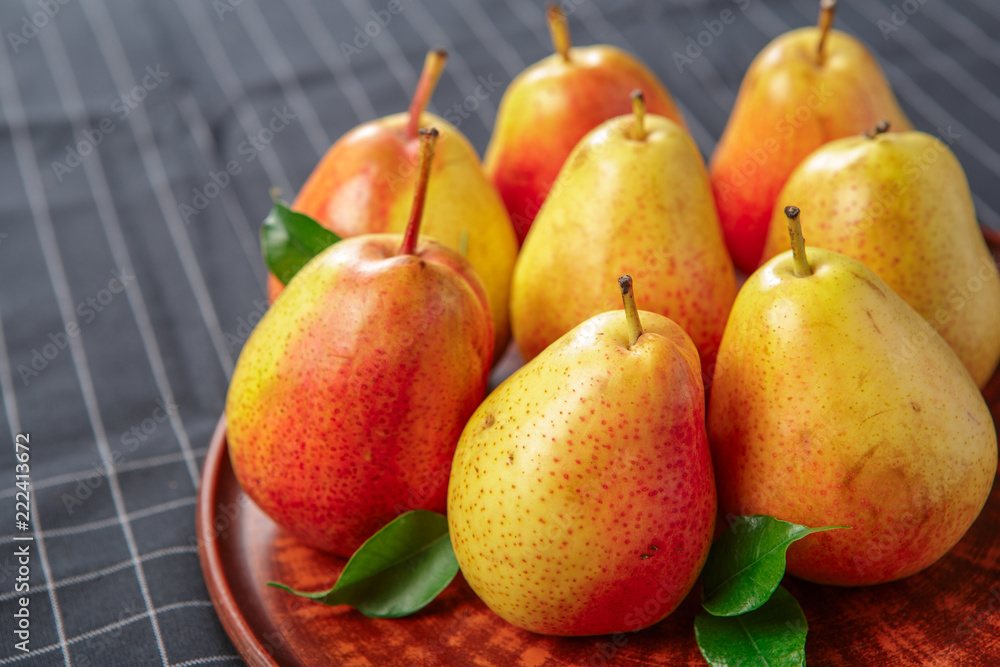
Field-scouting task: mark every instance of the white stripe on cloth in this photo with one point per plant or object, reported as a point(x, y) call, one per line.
point(458, 69)
point(113, 52)
point(925, 52)
point(278, 64)
point(27, 161)
point(527, 13)
point(965, 31)
point(104, 571)
point(401, 69)
point(98, 469)
point(111, 627)
point(484, 29)
point(14, 422)
point(73, 105)
point(217, 60)
point(324, 44)
point(188, 107)
point(130, 517)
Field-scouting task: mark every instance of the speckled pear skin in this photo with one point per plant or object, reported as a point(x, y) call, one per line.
point(582, 499)
point(364, 185)
point(549, 107)
point(787, 106)
point(901, 205)
point(622, 205)
point(351, 393)
point(835, 403)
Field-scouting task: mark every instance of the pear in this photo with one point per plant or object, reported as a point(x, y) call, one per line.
point(805, 88)
point(548, 108)
point(350, 394)
point(581, 498)
point(634, 193)
point(363, 185)
point(901, 205)
point(835, 403)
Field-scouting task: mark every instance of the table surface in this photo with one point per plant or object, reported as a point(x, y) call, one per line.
point(130, 272)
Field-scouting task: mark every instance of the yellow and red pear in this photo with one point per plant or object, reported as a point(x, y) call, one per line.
point(805, 88)
point(551, 105)
point(351, 393)
point(582, 487)
point(834, 403)
point(633, 196)
point(900, 204)
point(363, 185)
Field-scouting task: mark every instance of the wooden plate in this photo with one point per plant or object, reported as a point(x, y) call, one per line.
point(947, 615)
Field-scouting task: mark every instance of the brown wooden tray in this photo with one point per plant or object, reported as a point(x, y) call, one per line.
point(947, 615)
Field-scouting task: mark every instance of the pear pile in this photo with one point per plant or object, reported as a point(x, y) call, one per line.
point(839, 386)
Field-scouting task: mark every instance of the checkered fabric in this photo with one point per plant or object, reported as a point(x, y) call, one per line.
point(130, 270)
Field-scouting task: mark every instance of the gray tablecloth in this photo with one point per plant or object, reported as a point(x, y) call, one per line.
point(130, 269)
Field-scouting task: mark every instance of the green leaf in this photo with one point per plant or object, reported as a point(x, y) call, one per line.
point(399, 570)
point(288, 240)
point(772, 636)
point(747, 563)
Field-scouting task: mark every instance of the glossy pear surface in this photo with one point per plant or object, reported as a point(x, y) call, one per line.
point(351, 392)
point(788, 105)
point(835, 403)
point(622, 205)
point(901, 205)
point(364, 184)
point(549, 107)
point(581, 498)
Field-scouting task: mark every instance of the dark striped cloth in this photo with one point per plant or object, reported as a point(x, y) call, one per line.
point(138, 141)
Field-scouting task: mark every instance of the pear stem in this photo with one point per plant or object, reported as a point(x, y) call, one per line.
point(631, 312)
point(802, 268)
point(429, 76)
point(880, 128)
point(559, 29)
point(827, 8)
point(428, 142)
point(639, 111)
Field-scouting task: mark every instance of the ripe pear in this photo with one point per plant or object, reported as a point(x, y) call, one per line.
point(364, 182)
point(634, 193)
point(353, 389)
point(835, 403)
point(900, 204)
point(805, 88)
point(548, 108)
point(582, 488)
